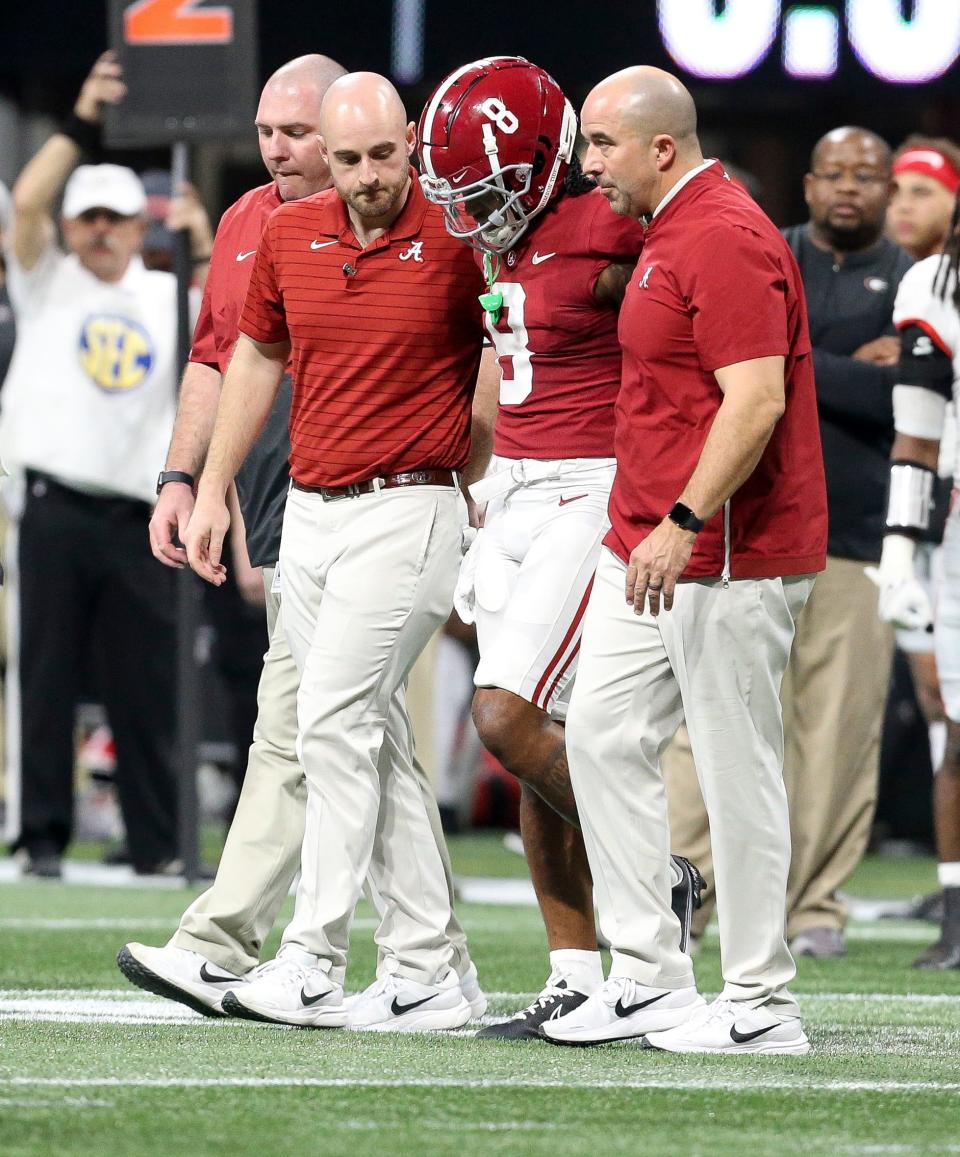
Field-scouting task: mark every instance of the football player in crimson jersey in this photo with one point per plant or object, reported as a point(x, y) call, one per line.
point(497, 150)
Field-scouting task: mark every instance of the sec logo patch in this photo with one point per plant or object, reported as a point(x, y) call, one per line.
point(116, 353)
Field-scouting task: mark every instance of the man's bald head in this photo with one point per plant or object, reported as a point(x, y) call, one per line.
point(362, 99)
point(312, 71)
point(642, 127)
point(367, 141)
point(650, 101)
point(859, 138)
point(288, 120)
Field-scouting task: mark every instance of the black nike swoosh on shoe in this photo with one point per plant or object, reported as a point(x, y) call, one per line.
point(309, 1000)
point(210, 978)
point(742, 1037)
point(399, 1009)
point(631, 1008)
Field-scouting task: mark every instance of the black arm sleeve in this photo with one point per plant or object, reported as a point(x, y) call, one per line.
point(924, 363)
point(853, 389)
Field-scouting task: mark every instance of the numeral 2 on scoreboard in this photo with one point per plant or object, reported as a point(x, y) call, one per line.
point(176, 22)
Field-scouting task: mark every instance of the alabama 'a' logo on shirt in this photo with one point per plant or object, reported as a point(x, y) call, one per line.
point(116, 353)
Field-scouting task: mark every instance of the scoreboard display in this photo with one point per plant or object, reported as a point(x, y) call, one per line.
point(859, 45)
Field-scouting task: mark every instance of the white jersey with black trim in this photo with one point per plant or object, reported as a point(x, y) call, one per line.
point(928, 376)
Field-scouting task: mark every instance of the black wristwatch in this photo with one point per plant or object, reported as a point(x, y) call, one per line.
point(684, 517)
point(166, 476)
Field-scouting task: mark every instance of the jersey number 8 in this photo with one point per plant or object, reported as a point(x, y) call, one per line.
point(513, 353)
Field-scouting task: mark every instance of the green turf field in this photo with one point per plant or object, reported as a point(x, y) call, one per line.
point(91, 1065)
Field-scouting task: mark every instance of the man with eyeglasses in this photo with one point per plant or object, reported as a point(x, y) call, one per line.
point(837, 680)
point(839, 673)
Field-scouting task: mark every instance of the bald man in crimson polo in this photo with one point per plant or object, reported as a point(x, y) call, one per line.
point(718, 514)
point(220, 936)
point(376, 308)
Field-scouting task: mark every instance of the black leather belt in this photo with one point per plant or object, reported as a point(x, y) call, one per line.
point(389, 482)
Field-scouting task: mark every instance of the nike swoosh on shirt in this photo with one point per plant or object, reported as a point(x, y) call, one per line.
point(212, 978)
point(620, 1010)
point(742, 1037)
point(244, 256)
point(538, 257)
point(308, 1000)
point(399, 1009)
point(564, 501)
point(321, 244)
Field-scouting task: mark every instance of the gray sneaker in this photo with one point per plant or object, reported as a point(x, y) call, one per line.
point(819, 942)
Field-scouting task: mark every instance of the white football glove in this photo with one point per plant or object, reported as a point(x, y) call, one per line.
point(903, 601)
point(465, 597)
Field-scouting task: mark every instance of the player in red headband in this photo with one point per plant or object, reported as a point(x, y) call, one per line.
point(926, 179)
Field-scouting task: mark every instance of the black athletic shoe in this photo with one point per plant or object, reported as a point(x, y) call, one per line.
point(925, 907)
point(940, 956)
point(44, 867)
point(945, 953)
point(686, 896)
point(555, 1000)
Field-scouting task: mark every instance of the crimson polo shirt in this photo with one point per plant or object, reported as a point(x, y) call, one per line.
point(231, 265)
point(716, 284)
point(264, 478)
point(385, 358)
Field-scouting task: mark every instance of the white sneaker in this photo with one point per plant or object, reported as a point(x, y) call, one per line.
point(289, 991)
point(179, 974)
point(396, 1004)
point(474, 994)
point(621, 1009)
point(729, 1026)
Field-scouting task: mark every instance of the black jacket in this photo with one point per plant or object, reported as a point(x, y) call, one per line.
point(850, 304)
point(263, 481)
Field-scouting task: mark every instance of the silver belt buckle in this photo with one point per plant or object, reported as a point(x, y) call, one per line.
point(349, 491)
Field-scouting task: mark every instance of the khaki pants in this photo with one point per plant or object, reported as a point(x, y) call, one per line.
point(230, 921)
point(834, 694)
point(718, 659)
point(366, 582)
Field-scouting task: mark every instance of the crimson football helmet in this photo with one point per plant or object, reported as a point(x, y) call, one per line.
point(495, 141)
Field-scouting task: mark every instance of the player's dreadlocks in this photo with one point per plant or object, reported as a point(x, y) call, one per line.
point(948, 271)
point(576, 182)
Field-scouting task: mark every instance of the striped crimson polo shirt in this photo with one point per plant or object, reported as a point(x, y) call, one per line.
point(385, 341)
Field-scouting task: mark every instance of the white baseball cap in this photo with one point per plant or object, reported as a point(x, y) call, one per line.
point(104, 187)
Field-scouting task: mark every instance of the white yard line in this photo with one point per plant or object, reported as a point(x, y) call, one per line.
point(131, 1007)
point(93, 923)
point(131, 993)
point(881, 930)
point(757, 1083)
point(82, 924)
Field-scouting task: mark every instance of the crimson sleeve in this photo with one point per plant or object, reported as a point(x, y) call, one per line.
point(263, 317)
point(610, 239)
point(736, 285)
point(204, 348)
point(617, 238)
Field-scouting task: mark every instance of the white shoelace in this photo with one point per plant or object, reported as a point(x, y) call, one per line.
point(550, 992)
point(383, 986)
point(546, 997)
point(290, 972)
point(720, 1009)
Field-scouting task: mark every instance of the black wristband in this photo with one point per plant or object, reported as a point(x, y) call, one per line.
point(166, 476)
point(86, 135)
point(684, 517)
point(201, 259)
